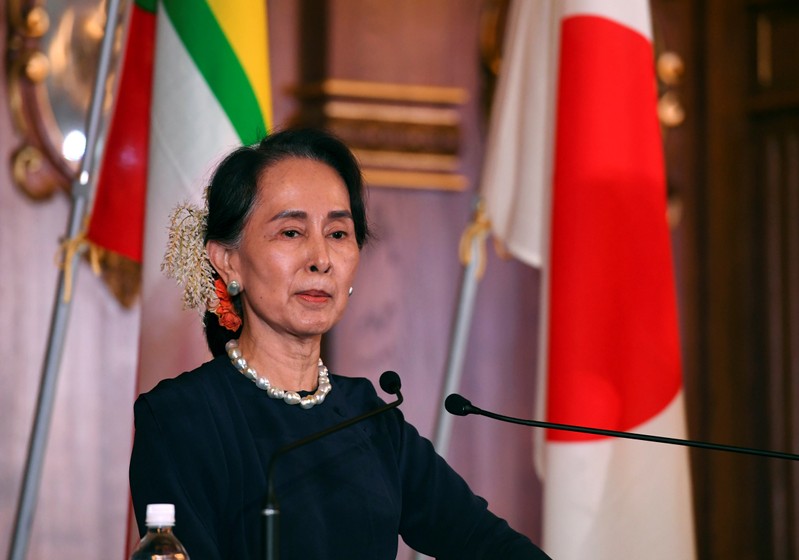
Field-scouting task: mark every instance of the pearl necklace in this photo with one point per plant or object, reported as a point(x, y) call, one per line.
point(289, 397)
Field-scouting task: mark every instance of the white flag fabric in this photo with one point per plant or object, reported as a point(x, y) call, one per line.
point(517, 173)
point(574, 181)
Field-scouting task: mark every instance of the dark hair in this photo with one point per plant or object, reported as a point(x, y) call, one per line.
point(234, 191)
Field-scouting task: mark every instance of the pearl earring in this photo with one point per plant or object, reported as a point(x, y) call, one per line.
point(350, 291)
point(233, 288)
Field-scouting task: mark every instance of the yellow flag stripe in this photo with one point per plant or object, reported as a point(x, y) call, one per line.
point(245, 24)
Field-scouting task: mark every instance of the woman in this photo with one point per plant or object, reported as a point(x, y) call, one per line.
point(284, 227)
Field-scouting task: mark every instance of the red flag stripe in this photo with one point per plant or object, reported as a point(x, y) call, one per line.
point(117, 221)
point(614, 353)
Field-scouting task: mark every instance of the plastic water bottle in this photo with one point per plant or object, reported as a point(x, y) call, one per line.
point(160, 543)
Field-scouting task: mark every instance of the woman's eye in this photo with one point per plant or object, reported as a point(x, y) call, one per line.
point(338, 234)
point(291, 233)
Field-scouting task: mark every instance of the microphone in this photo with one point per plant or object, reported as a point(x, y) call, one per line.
point(391, 384)
point(460, 406)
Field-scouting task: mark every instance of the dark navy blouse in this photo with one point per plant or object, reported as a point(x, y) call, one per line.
point(203, 442)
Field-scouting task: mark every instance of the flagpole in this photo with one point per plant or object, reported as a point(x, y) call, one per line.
point(472, 253)
point(80, 198)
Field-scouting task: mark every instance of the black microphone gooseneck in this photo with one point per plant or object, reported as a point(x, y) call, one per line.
point(460, 406)
point(391, 384)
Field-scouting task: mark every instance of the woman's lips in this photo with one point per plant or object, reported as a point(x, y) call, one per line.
point(314, 296)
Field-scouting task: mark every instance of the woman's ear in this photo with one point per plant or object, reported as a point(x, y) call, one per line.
point(219, 255)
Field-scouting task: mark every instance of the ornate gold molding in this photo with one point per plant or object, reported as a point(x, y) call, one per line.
point(383, 91)
point(404, 135)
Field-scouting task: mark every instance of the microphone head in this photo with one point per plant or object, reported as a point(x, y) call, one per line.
point(390, 382)
point(458, 405)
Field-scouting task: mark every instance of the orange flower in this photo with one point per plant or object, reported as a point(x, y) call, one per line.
point(225, 310)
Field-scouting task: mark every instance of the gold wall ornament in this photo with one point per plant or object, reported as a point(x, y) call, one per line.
point(37, 22)
point(37, 67)
point(27, 19)
point(52, 53)
point(670, 110)
point(670, 68)
point(29, 167)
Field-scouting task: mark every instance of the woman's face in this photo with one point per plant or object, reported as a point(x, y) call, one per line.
point(298, 253)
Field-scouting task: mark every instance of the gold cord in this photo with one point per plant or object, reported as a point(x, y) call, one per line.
point(66, 253)
point(475, 232)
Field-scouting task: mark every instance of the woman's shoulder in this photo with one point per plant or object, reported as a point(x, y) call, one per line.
point(356, 388)
point(189, 385)
point(352, 383)
point(358, 395)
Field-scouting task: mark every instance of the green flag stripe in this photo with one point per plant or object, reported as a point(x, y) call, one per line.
point(146, 5)
point(209, 49)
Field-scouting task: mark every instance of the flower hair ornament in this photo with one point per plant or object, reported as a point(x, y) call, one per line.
point(186, 261)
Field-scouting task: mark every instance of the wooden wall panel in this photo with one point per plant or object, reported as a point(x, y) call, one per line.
point(733, 162)
point(732, 395)
point(777, 142)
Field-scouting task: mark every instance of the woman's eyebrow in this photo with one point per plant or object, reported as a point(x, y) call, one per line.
point(299, 214)
point(339, 214)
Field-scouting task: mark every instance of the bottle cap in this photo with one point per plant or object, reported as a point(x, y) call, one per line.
point(160, 515)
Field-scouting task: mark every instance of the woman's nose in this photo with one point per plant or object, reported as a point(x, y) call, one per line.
point(319, 255)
